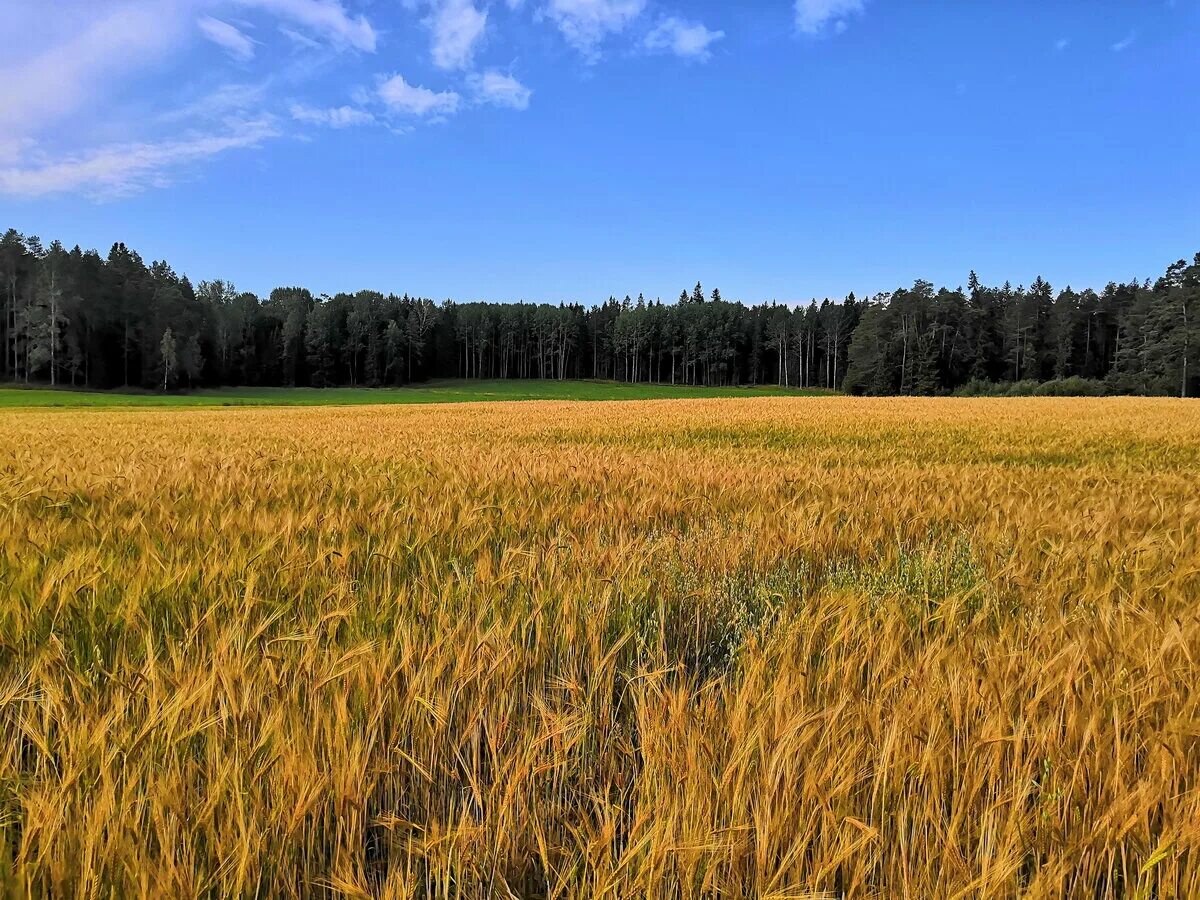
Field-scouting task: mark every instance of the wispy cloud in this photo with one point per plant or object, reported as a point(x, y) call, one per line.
point(813, 16)
point(326, 19)
point(65, 74)
point(71, 62)
point(228, 37)
point(1124, 44)
point(219, 104)
point(1062, 44)
point(499, 89)
point(89, 53)
point(88, 47)
point(334, 117)
point(690, 40)
point(123, 169)
point(457, 27)
point(401, 97)
point(12, 150)
point(300, 41)
point(586, 23)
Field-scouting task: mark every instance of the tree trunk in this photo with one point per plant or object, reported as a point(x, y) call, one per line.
point(53, 329)
point(837, 347)
point(1186, 338)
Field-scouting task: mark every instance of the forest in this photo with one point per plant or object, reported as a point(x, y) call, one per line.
point(76, 318)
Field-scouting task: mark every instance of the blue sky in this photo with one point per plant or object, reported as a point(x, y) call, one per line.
point(570, 149)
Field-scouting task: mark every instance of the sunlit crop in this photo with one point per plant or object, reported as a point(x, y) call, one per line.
point(716, 648)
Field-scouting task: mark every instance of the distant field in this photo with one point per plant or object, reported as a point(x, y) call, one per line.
point(868, 648)
point(456, 391)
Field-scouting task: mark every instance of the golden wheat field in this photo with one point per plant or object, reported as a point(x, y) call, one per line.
point(773, 648)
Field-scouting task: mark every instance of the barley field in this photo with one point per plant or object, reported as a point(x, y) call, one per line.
point(762, 647)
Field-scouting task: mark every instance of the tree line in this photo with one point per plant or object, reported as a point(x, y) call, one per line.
point(73, 317)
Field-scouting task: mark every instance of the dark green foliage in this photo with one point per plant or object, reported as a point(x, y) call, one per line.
point(1131, 339)
point(72, 318)
point(1073, 386)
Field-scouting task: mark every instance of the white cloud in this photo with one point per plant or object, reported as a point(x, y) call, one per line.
point(813, 15)
point(402, 97)
point(302, 41)
point(499, 89)
point(1124, 44)
point(586, 23)
point(687, 39)
point(325, 18)
point(69, 63)
point(11, 150)
point(219, 104)
point(335, 117)
point(457, 28)
point(227, 37)
point(67, 68)
point(124, 169)
point(68, 60)
point(1062, 44)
